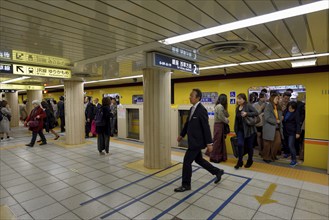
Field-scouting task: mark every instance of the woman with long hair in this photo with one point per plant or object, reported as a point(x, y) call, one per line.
point(272, 129)
point(245, 133)
point(219, 153)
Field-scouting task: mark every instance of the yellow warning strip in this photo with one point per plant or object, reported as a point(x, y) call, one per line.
point(6, 213)
point(139, 166)
point(62, 144)
point(303, 175)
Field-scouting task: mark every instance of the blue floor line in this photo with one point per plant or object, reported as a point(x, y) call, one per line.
point(143, 196)
point(136, 181)
point(183, 200)
point(214, 214)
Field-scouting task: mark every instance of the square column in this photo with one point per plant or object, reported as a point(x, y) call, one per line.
point(156, 108)
point(74, 112)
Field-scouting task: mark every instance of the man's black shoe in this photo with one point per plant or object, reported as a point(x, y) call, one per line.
point(219, 176)
point(29, 145)
point(43, 143)
point(182, 188)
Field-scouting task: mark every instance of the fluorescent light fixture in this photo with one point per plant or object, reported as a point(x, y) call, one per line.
point(114, 79)
point(305, 62)
point(267, 61)
point(219, 66)
point(274, 16)
point(16, 79)
point(56, 86)
point(286, 58)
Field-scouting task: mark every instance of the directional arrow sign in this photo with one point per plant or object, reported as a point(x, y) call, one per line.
point(41, 71)
point(266, 198)
point(20, 69)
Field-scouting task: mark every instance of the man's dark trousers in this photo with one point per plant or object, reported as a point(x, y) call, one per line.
point(195, 155)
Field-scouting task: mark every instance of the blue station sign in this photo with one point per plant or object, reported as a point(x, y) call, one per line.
point(166, 61)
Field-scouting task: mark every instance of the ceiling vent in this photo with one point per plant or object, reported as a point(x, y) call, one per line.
point(227, 48)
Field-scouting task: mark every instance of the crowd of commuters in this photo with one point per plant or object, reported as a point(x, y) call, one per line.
point(281, 125)
point(278, 127)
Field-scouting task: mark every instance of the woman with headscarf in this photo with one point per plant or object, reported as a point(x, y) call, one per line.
point(35, 123)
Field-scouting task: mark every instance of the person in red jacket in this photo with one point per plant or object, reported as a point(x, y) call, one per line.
point(35, 123)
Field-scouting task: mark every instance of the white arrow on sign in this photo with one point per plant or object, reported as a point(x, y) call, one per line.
point(19, 69)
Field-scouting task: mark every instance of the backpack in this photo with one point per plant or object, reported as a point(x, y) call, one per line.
point(99, 118)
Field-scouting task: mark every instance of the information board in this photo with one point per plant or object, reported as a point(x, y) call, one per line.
point(41, 71)
point(166, 61)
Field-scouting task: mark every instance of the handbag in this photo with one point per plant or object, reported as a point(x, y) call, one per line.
point(227, 129)
point(251, 121)
point(33, 124)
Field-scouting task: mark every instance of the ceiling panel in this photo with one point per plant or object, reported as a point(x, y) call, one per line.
point(116, 33)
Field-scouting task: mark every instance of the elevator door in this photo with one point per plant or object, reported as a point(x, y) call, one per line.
point(183, 114)
point(133, 123)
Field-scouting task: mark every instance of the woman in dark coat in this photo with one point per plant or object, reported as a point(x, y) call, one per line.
point(37, 114)
point(245, 133)
point(49, 122)
point(291, 130)
point(103, 126)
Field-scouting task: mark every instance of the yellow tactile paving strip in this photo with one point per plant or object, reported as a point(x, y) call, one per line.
point(296, 174)
point(139, 165)
point(6, 213)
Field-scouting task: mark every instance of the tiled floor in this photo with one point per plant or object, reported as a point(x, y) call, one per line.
point(54, 182)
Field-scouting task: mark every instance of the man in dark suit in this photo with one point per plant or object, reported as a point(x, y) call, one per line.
point(199, 137)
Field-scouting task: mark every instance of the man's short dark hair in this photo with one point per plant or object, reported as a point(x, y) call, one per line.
point(198, 93)
point(264, 90)
point(289, 90)
point(287, 94)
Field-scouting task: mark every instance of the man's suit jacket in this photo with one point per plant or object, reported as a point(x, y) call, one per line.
point(197, 129)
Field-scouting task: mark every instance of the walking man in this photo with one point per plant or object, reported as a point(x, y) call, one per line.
point(199, 137)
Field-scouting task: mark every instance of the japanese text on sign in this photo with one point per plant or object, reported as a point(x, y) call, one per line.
point(175, 63)
point(39, 59)
point(41, 71)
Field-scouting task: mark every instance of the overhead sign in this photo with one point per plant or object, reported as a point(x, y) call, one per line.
point(41, 71)
point(6, 68)
point(33, 58)
point(20, 87)
point(191, 54)
point(162, 60)
point(5, 55)
point(7, 90)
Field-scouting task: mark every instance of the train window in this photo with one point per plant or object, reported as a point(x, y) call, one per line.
point(297, 91)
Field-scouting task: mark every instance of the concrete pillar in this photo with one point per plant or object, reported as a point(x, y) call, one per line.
point(12, 99)
point(32, 95)
point(156, 107)
point(74, 112)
